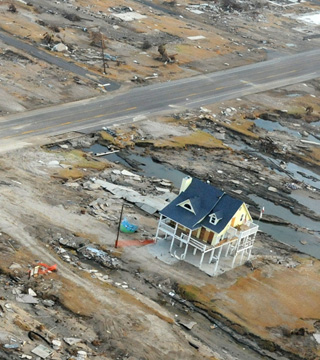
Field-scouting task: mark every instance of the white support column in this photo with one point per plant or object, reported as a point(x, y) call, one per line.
point(194, 251)
point(249, 255)
point(242, 253)
point(234, 259)
point(183, 256)
point(228, 248)
point(201, 260)
point(211, 255)
point(172, 241)
point(217, 263)
point(236, 253)
point(175, 230)
point(189, 236)
point(186, 249)
point(157, 233)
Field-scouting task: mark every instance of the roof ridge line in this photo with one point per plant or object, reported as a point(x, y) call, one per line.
point(220, 197)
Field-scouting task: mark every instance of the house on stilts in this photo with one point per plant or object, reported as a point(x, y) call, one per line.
point(203, 219)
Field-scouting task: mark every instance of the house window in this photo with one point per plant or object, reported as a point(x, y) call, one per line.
point(213, 219)
point(187, 205)
point(241, 218)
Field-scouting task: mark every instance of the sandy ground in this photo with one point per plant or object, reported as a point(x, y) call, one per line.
point(38, 208)
point(123, 313)
point(228, 38)
point(118, 310)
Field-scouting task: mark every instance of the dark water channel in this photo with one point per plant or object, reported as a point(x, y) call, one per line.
point(147, 166)
point(297, 172)
point(275, 126)
point(285, 234)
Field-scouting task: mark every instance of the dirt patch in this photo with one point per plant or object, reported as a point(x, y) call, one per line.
point(217, 37)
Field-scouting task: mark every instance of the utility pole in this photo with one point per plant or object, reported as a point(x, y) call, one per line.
point(118, 232)
point(121, 213)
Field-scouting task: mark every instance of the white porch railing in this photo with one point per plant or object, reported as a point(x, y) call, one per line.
point(198, 245)
point(233, 232)
point(167, 228)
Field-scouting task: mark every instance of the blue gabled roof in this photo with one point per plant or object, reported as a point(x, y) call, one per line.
point(227, 207)
point(205, 200)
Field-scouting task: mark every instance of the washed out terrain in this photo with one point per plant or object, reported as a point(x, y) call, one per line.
point(134, 301)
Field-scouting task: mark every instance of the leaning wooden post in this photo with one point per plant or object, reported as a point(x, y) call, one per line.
point(118, 232)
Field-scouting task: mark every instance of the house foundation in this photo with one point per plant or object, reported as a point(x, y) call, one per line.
point(233, 250)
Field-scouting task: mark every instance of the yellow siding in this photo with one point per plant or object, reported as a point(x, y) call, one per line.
point(246, 217)
point(242, 211)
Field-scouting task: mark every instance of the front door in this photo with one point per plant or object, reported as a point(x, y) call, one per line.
point(202, 234)
point(210, 238)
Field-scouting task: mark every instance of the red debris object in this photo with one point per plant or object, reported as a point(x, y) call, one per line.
point(42, 268)
point(125, 243)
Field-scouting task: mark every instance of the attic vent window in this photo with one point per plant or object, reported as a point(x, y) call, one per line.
point(214, 219)
point(187, 205)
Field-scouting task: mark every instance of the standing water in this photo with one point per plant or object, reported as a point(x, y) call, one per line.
point(285, 234)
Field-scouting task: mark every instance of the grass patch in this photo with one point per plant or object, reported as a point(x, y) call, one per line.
point(198, 138)
point(107, 137)
point(196, 295)
point(242, 127)
point(315, 154)
point(80, 159)
point(312, 158)
point(76, 299)
point(67, 174)
point(297, 110)
point(121, 141)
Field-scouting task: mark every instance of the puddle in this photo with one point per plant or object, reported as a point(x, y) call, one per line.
point(285, 234)
point(286, 214)
point(241, 147)
point(312, 204)
point(275, 126)
point(309, 177)
point(148, 167)
point(293, 95)
point(297, 169)
point(292, 237)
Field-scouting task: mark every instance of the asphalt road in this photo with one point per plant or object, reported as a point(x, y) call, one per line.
point(56, 60)
point(136, 104)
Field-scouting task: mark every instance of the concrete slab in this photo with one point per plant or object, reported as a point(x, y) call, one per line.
point(42, 351)
point(198, 37)
point(129, 16)
point(150, 204)
point(161, 248)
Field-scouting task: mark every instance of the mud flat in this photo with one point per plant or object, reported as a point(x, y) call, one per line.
point(198, 144)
